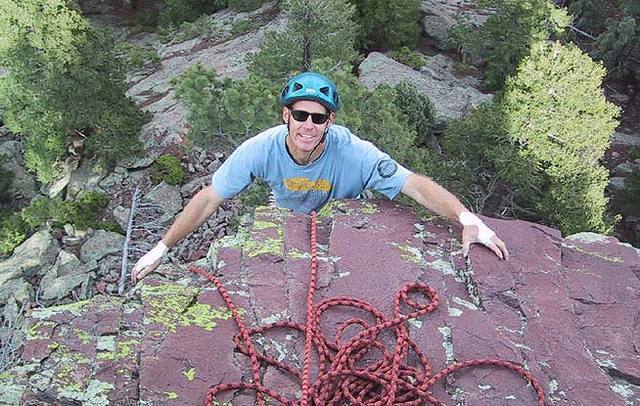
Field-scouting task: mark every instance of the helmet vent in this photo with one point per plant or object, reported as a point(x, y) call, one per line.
point(325, 90)
point(297, 86)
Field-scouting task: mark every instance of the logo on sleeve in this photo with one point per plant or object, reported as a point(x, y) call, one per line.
point(387, 167)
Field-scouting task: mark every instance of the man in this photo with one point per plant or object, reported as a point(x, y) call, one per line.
point(308, 162)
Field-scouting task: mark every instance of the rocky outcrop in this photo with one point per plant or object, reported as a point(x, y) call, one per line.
point(564, 308)
point(452, 97)
point(440, 16)
point(221, 50)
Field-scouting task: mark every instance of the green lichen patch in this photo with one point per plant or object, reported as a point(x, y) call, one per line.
point(369, 208)
point(262, 225)
point(124, 349)
point(75, 309)
point(607, 258)
point(83, 336)
point(171, 395)
point(173, 305)
point(329, 209)
point(410, 253)
point(190, 374)
point(40, 330)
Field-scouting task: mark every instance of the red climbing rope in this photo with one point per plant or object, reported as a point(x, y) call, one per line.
point(343, 377)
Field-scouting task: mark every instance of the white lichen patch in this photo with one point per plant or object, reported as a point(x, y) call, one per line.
point(443, 266)
point(274, 317)
point(606, 363)
point(415, 323)
point(464, 303)
point(587, 237)
point(454, 312)
point(343, 274)
point(553, 386)
point(106, 343)
point(624, 390)
point(447, 343)
point(510, 397)
point(75, 309)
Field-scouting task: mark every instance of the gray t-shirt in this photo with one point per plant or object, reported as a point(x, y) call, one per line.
point(347, 166)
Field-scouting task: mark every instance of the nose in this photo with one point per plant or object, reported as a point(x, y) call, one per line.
point(308, 123)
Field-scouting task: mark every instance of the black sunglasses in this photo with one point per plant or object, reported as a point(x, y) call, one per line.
point(317, 118)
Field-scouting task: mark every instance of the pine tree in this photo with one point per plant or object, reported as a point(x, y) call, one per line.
point(388, 24)
point(316, 29)
point(64, 83)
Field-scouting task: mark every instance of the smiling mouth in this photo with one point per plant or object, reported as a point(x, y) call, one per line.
point(306, 136)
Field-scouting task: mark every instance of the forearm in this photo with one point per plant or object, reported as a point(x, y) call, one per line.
point(197, 211)
point(433, 197)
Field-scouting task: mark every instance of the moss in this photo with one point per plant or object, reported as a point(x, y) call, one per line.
point(190, 374)
point(168, 169)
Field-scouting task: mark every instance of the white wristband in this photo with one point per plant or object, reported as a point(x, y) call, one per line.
point(467, 218)
point(161, 247)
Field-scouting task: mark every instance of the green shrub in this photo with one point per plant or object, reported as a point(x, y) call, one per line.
point(630, 196)
point(407, 57)
point(619, 46)
point(257, 194)
point(13, 232)
point(63, 80)
point(589, 15)
point(167, 168)
point(316, 30)
point(190, 29)
point(506, 37)
point(175, 12)
point(85, 213)
point(417, 107)
point(388, 24)
point(6, 180)
point(136, 57)
point(545, 138)
point(233, 110)
point(244, 5)
point(240, 27)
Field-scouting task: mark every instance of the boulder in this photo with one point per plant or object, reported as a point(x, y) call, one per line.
point(33, 257)
point(452, 98)
point(168, 199)
point(440, 16)
point(99, 245)
point(86, 178)
point(563, 309)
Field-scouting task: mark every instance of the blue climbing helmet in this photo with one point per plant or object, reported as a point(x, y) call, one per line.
point(311, 86)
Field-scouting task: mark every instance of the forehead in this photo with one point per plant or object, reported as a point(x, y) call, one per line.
point(310, 106)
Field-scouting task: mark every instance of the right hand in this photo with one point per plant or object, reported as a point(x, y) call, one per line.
point(149, 262)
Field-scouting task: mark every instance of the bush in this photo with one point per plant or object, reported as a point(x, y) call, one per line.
point(6, 180)
point(64, 80)
point(135, 57)
point(316, 30)
point(506, 37)
point(234, 110)
point(244, 5)
point(388, 24)
point(407, 57)
point(630, 196)
point(167, 168)
point(175, 12)
point(418, 109)
point(545, 138)
point(618, 46)
point(85, 213)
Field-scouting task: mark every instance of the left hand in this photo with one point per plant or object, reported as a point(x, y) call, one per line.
point(475, 231)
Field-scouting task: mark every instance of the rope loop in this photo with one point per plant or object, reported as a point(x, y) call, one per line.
point(347, 371)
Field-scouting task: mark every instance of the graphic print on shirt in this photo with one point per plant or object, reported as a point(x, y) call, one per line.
point(311, 194)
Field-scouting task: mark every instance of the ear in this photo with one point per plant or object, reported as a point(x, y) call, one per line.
point(286, 113)
point(332, 119)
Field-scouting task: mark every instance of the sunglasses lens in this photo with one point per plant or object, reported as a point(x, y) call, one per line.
point(317, 118)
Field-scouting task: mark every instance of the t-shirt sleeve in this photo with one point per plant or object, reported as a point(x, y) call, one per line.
point(238, 171)
point(382, 173)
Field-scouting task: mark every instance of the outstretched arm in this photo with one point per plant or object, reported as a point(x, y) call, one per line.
point(197, 211)
point(440, 201)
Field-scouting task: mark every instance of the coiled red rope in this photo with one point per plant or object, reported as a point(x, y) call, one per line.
point(341, 377)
